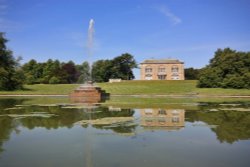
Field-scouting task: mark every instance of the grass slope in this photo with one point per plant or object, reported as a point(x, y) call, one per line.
point(132, 88)
point(186, 87)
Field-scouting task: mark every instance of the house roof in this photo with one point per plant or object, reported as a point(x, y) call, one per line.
point(162, 61)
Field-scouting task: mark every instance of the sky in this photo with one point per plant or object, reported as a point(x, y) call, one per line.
point(188, 30)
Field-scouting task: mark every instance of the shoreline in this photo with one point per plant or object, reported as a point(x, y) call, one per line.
point(132, 95)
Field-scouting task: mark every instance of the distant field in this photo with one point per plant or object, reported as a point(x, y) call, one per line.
point(132, 88)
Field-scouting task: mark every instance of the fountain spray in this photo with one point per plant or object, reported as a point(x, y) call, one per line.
point(90, 44)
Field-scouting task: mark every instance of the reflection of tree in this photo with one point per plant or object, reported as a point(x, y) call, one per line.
point(10, 102)
point(63, 117)
point(6, 125)
point(5, 130)
point(119, 128)
point(232, 125)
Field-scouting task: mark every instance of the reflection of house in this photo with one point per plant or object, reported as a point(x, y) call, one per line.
point(168, 69)
point(170, 118)
point(111, 108)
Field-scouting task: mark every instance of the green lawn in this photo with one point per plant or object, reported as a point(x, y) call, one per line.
point(132, 88)
point(166, 88)
point(43, 89)
point(168, 102)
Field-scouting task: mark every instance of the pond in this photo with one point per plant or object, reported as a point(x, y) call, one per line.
point(49, 132)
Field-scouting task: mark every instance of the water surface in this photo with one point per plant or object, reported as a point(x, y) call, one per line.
point(37, 132)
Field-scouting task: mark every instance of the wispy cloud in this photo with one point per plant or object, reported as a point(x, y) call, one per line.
point(170, 15)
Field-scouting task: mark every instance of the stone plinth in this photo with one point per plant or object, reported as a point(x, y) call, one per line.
point(87, 93)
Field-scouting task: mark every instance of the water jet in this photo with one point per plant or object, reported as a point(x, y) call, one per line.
point(88, 92)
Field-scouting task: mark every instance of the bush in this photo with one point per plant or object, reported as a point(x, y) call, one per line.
point(54, 80)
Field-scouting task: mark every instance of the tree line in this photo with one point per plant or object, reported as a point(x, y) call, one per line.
point(55, 72)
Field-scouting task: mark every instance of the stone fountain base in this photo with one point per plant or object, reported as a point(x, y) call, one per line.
point(87, 93)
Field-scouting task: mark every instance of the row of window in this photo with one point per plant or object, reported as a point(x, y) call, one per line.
point(173, 69)
point(175, 76)
point(162, 120)
point(161, 112)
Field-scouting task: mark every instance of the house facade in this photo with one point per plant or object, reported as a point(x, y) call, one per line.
point(166, 69)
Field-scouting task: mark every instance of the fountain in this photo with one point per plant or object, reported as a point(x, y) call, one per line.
point(88, 92)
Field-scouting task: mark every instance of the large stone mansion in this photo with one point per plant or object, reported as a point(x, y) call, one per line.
point(166, 69)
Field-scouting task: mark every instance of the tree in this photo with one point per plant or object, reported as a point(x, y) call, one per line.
point(33, 72)
point(228, 69)
point(119, 67)
point(11, 76)
point(83, 71)
point(101, 70)
point(122, 67)
point(70, 70)
point(50, 69)
point(191, 73)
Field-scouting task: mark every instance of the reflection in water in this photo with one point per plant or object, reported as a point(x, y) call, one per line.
point(163, 118)
point(116, 130)
point(231, 126)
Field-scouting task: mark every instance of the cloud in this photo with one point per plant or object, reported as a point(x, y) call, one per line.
point(171, 16)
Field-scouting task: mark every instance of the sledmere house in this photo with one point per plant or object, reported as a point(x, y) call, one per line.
point(165, 69)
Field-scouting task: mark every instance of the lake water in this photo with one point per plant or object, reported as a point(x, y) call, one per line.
point(42, 133)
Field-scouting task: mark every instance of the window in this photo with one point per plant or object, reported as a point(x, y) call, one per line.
point(175, 119)
point(148, 111)
point(162, 120)
point(175, 76)
point(148, 77)
point(161, 69)
point(175, 112)
point(149, 120)
point(162, 112)
point(175, 69)
point(148, 70)
point(161, 77)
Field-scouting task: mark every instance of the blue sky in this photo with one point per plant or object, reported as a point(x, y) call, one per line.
point(189, 30)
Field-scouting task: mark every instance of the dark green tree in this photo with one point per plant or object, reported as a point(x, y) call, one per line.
point(191, 73)
point(122, 67)
point(33, 72)
point(70, 70)
point(51, 69)
point(11, 76)
point(119, 67)
point(228, 69)
point(101, 70)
